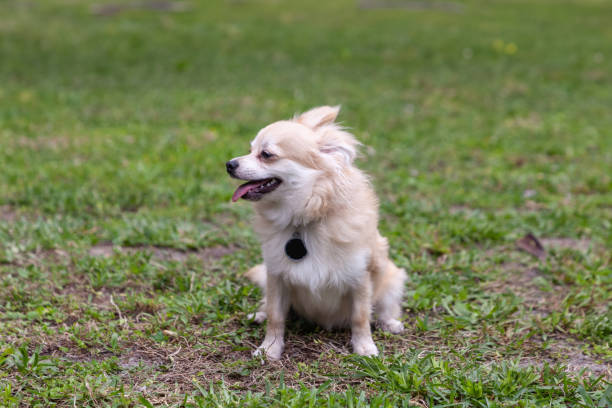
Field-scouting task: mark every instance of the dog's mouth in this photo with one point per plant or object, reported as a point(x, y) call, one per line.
point(255, 189)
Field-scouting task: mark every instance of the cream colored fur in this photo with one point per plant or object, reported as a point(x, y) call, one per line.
point(346, 274)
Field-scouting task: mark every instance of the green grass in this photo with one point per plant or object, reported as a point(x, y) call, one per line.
point(121, 257)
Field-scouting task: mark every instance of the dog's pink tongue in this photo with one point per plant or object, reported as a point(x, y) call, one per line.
point(245, 188)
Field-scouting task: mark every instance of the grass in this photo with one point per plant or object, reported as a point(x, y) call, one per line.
point(121, 255)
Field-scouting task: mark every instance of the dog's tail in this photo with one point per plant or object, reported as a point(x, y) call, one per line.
point(258, 275)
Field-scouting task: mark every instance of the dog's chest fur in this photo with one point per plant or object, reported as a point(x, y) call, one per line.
point(320, 284)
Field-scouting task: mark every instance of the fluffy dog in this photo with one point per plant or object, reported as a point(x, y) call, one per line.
point(316, 216)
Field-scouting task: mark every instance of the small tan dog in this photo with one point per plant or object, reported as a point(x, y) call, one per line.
point(316, 216)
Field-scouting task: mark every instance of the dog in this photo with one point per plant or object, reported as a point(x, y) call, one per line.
point(316, 216)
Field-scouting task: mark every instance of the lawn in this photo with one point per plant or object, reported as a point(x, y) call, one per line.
point(122, 258)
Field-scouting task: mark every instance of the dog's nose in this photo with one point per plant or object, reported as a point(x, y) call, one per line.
point(231, 166)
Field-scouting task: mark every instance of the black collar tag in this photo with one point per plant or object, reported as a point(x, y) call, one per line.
point(295, 248)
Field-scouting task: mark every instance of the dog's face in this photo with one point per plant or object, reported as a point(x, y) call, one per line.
point(287, 158)
point(275, 164)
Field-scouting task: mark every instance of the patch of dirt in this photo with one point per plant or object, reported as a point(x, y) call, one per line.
point(7, 213)
point(143, 355)
point(134, 356)
point(165, 253)
point(520, 279)
point(581, 245)
point(103, 250)
point(566, 351)
point(62, 346)
point(209, 360)
point(179, 361)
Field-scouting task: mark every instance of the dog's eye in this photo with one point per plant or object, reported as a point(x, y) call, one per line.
point(265, 154)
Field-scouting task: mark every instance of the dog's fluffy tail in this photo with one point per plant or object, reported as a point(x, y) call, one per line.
point(258, 275)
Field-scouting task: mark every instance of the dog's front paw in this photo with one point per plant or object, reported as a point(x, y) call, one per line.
point(365, 347)
point(272, 350)
point(392, 326)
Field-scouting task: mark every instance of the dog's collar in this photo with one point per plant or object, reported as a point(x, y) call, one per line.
point(295, 248)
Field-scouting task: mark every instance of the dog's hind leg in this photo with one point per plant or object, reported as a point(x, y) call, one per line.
point(389, 301)
point(258, 275)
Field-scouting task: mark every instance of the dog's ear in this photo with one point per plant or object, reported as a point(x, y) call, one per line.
point(340, 144)
point(318, 116)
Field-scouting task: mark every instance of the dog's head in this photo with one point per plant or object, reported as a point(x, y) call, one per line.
point(302, 161)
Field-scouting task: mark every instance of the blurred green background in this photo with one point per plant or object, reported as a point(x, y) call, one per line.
point(134, 108)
